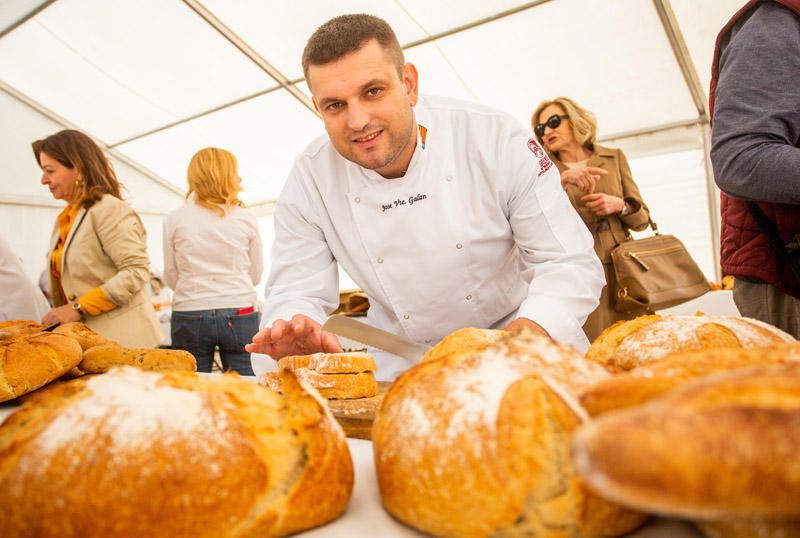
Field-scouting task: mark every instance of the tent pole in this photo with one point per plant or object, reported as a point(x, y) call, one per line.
point(40, 6)
point(713, 202)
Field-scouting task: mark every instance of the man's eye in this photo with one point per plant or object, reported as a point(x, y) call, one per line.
point(334, 106)
point(374, 91)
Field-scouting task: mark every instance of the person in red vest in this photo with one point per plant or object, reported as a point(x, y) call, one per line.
point(755, 153)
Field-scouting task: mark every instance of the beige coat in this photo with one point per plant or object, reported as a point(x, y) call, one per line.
point(611, 230)
point(107, 247)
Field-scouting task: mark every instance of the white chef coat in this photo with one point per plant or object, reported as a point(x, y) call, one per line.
point(211, 261)
point(22, 298)
point(477, 232)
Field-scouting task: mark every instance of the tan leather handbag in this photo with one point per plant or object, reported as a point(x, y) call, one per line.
point(654, 273)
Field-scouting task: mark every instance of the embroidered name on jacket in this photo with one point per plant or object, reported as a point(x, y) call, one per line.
point(411, 200)
point(544, 161)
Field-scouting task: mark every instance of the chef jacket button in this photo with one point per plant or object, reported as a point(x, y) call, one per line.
point(469, 297)
point(449, 178)
point(459, 246)
point(72, 297)
point(380, 260)
point(357, 200)
point(406, 316)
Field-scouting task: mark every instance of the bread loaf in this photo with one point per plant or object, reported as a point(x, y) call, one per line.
point(629, 344)
point(642, 384)
point(102, 358)
point(466, 340)
point(29, 361)
point(336, 376)
point(752, 527)
point(86, 337)
point(19, 327)
point(723, 446)
point(172, 454)
point(478, 445)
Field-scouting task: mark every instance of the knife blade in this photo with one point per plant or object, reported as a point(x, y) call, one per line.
point(366, 334)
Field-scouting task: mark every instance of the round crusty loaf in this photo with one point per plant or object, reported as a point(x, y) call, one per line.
point(637, 386)
point(724, 446)
point(136, 453)
point(466, 340)
point(28, 362)
point(102, 358)
point(629, 344)
point(19, 327)
point(86, 337)
point(478, 445)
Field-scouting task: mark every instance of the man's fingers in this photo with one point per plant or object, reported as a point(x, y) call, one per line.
point(278, 330)
point(330, 344)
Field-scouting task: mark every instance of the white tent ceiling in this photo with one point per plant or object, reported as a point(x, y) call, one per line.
point(156, 80)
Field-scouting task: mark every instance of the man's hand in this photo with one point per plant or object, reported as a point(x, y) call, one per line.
point(300, 336)
point(583, 178)
point(61, 314)
point(603, 204)
point(520, 323)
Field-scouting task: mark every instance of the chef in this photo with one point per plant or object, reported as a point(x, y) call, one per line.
point(447, 214)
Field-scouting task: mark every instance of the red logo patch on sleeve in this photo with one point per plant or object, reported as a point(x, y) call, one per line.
point(544, 161)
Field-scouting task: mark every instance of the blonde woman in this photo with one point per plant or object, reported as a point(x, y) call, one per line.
point(98, 262)
point(213, 261)
point(600, 186)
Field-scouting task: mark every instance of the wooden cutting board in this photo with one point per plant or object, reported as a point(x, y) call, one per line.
point(356, 416)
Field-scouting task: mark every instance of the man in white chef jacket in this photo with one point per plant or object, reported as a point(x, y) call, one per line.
point(447, 214)
point(22, 298)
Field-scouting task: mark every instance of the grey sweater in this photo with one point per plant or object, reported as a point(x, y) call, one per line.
point(756, 122)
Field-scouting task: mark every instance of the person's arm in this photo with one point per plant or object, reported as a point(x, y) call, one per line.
point(124, 239)
point(756, 122)
point(637, 215)
point(256, 255)
point(555, 245)
point(168, 244)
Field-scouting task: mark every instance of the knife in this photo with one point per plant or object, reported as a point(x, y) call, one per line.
point(361, 332)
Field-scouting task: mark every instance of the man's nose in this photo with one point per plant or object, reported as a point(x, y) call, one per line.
point(357, 117)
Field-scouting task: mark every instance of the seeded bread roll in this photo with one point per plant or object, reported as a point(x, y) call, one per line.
point(644, 383)
point(86, 337)
point(102, 358)
point(136, 453)
point(464, 341)
point(723, 446)
point(478, 445)
point(28, 362)
point(19, 327)
point(630, 344)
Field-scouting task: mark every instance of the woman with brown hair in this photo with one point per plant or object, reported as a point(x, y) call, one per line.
point(600, 186)
point(98, 252)
point(213, 260)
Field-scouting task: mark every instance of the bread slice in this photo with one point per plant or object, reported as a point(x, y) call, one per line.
point(330, 363)
point(330, 386)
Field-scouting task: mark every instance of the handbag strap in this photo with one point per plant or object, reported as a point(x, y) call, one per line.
point(650, 222)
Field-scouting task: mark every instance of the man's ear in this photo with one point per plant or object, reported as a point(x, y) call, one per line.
point(411, 80)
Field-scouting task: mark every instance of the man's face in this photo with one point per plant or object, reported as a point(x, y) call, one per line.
point(367, 108)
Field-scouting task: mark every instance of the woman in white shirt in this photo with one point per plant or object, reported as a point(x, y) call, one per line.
point(213, 261)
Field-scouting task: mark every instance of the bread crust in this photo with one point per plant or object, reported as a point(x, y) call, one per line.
point(330, 363)
point(330, 386)
point(630, 344)
point(478, 445)
point(29, 361)
point(133, 453)
point(86, 337)
point(642, 384)
point(464, 341)
point(723, 446)
point(19, 327)
point(102, 358)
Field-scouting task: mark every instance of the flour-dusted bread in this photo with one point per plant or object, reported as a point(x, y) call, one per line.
point(86, 337)
point(464, 341)
point(478, 445)
point(629, 344)
point(28, 362)
point(102, 358)
point(19, 327)
point(723, 446)
point(337, 376)
point(134, 453)
point(637, 386)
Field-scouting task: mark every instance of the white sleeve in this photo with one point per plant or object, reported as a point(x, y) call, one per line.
point(303, 276)
point(555, 245)
point(168, 243)
point(22, 298)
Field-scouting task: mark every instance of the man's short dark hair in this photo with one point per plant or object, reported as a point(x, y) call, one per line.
point(348, 33)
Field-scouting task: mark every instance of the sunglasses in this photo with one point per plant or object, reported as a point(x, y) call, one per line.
point(553, 122)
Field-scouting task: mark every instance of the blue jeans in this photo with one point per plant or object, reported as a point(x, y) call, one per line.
point(201, 331)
